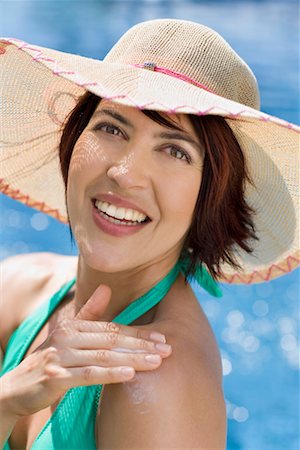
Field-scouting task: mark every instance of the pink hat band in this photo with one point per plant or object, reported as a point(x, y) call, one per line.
point(154, 68)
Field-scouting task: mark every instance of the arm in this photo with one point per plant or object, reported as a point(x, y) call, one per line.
point(179, 405)
point(7, 420)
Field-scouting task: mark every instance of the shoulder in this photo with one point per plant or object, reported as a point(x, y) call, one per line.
point(26, 281)
point(181, 404)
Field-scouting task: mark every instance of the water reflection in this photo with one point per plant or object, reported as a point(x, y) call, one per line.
point(238, 413)
point(235, 319)
point(39, 221)
point(260, 308)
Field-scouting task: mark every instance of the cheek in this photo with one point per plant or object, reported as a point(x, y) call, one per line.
point(182, 194)
point(87, 159)
point(86, 152)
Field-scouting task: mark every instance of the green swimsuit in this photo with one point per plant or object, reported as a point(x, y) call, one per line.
point(72, 425)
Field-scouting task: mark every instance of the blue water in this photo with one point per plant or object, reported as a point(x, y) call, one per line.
point(257, 327)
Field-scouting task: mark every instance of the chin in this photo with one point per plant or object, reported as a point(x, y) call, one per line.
point(102, 260)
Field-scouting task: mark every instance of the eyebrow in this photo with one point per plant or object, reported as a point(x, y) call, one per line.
point(176, 135)
point(114, 115)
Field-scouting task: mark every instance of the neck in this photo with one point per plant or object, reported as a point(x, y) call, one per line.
point(126, 286)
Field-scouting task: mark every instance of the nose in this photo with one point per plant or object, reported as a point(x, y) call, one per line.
point(131, 171)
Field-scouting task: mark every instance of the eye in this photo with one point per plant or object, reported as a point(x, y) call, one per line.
point(178, 153)
point(108, 128)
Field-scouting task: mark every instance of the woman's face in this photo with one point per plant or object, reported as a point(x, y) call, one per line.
point(123, 155)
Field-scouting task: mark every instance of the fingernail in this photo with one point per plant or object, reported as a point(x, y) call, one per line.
point(128, 372)
point(157, 337)
point(153, 359)
point(164, 348)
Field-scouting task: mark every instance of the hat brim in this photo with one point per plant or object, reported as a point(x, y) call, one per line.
point(39, 89)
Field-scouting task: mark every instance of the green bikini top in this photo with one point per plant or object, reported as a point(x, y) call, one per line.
point(72, 425)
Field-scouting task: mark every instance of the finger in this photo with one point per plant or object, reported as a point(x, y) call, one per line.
point(112, 327)
point(95, 307)
point(113, 341)
point(109, 358)
point(89, 375)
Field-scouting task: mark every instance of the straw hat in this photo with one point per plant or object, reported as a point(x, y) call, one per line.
point(166, 65)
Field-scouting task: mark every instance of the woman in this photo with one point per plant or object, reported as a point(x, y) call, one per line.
point(154, 194)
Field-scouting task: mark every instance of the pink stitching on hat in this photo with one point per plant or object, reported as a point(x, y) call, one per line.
point(3, 45)
point(33, 49)
point(26, 200)
point(249, 278)
point(40, 58)
point(88, 84)
point(60, 72)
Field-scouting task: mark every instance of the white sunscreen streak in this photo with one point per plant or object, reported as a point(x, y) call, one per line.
point(141, 392)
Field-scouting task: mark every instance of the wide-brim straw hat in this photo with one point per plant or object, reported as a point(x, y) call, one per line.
point(166, 65)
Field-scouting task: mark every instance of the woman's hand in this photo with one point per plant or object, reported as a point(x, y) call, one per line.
point(80, 352)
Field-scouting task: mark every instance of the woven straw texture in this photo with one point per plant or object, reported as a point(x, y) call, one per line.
point(39, 88)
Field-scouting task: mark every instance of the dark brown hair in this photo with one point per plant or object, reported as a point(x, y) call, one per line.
point(222, 217)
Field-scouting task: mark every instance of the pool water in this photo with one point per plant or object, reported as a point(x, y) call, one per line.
point(257, 327)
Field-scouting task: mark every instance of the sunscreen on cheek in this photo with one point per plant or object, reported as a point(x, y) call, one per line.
point(82, 240)
point(87, 153)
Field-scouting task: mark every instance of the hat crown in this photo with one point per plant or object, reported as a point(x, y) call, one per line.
point(193, 50)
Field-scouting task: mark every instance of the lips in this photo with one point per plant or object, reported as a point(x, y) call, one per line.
point(113, 226)
point(124, 225)
point(120, 215)
point(119, 218)
point(118, 201)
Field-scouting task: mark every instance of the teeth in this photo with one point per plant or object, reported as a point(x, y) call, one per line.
point(128, 214)
point(135, 216)
point(117, 221)
point(111, 210)
point(120, 213)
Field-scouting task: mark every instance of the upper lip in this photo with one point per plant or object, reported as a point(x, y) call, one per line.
point(116, 200)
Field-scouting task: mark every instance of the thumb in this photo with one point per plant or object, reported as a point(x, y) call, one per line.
point(96, 305)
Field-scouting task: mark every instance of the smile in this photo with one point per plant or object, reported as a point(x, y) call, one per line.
point(119, 215)
point(105, 216)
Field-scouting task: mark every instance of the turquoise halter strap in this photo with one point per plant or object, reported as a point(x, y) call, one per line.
point(202, 277)
point(153, 297)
